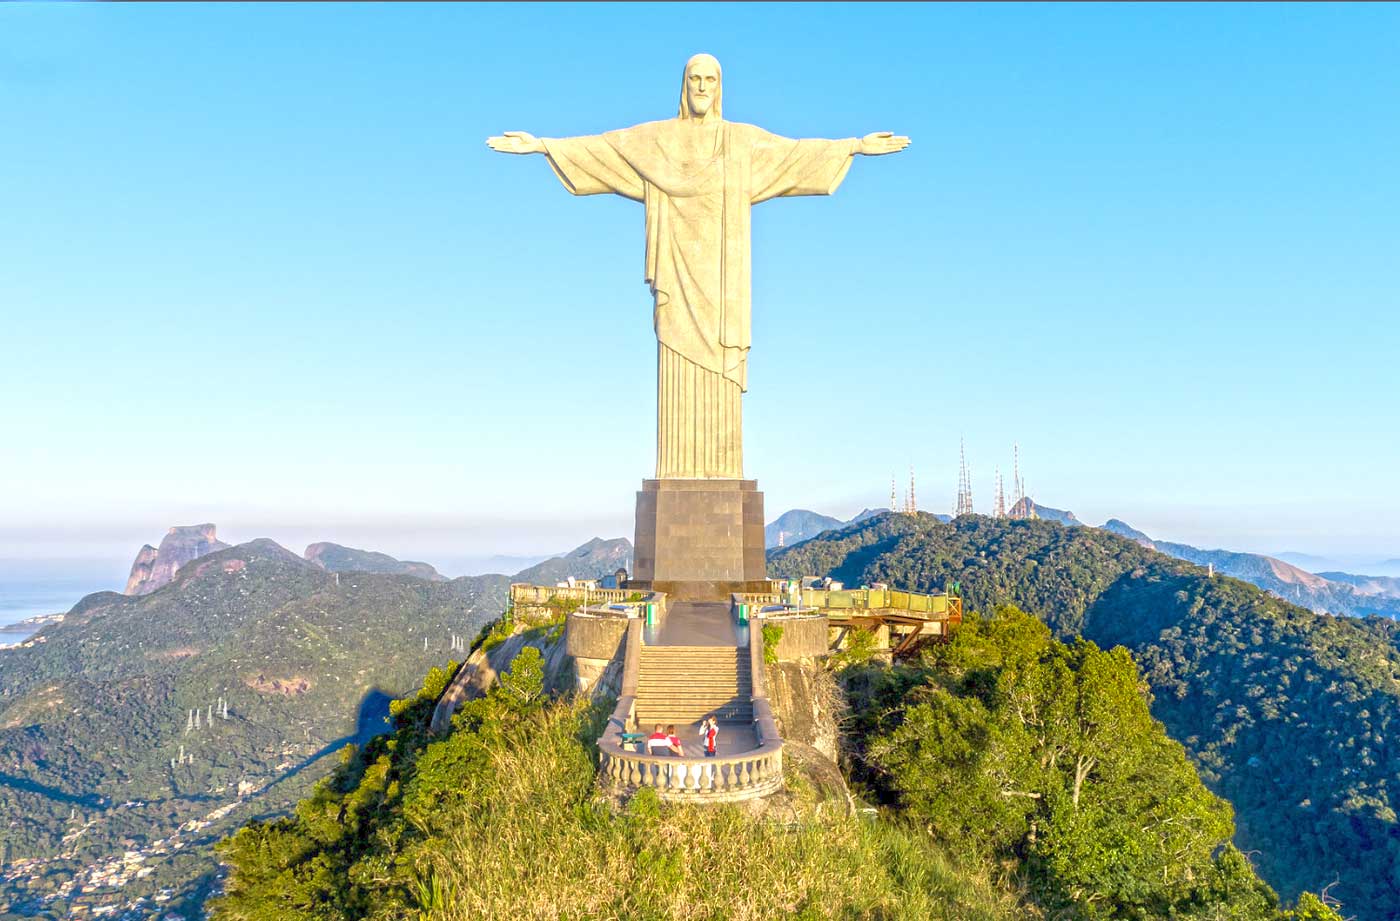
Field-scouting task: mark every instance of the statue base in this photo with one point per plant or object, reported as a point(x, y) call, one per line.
point(699, 540)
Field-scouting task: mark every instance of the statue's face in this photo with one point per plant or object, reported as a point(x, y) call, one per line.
point(701, 87)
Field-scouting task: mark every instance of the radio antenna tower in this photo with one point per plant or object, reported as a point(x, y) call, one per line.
point(1018, 487)
point(893, 506)
point(999, 510)
point(913, 505)
point(964, 483)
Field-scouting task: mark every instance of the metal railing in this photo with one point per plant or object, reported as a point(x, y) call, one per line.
point(936, 606)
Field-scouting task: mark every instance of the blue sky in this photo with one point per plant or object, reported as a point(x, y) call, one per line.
point(258, 267)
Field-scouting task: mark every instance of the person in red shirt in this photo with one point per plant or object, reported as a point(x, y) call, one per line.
point(658, 743)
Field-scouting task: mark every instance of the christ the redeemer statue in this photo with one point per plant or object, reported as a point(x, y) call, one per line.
point(698, 176)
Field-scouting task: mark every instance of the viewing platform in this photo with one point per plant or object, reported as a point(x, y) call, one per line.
point(820, 621)
point(683, 660)
point(689, 662)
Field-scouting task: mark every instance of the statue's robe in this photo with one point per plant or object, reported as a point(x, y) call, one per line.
point(698, 184)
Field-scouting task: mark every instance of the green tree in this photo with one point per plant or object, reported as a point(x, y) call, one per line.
point(523, 685)
point(1018, 745)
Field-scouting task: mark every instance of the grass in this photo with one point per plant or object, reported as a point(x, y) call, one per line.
point(544, 845)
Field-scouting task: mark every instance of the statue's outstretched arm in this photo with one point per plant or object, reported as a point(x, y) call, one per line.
point(882, 142)
point(516, 142)
point(586, 165)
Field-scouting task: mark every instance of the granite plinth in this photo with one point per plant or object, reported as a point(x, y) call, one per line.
point(699, 540)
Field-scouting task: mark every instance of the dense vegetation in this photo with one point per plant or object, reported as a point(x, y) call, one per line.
point(503, 817)
point(92, 718)
point(1288, 714)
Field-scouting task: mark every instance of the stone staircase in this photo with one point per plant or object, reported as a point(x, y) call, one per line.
point(683, 684)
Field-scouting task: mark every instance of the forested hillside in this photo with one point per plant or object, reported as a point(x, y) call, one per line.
point(1287, 713)
point(100, 752)
point(1019, 778)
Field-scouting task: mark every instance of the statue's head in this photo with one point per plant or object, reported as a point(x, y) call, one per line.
point(701, 87)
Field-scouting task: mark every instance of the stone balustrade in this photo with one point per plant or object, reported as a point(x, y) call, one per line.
point(726, 778)
point(722, 779)
point(524, 593)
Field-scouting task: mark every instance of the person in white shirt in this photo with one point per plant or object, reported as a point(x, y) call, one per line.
point(658, 743)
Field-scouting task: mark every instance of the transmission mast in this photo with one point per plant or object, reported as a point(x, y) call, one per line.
point(1017, 484)
point(894, 507)
point(964, 483)
point(913, 504)
point(999, 511)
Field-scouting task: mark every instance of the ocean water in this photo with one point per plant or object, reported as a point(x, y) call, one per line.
point(22, 598)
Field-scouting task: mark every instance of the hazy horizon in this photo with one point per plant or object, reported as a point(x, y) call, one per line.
point(466, 548)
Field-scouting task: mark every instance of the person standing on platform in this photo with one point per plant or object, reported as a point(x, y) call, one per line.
point(709, 735)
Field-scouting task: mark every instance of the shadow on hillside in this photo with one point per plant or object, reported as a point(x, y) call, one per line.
point(371, 720)
point(90, 801)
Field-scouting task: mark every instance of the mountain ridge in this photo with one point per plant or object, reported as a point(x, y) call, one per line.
point(117, 714)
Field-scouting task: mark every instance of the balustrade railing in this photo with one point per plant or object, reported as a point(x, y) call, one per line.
point(741, 775)
point(524, 593)
point(935, 606)
point(752, 773)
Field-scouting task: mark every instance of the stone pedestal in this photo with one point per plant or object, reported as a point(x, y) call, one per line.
point(699, 540)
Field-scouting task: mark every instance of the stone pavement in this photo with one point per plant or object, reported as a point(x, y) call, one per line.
point(697, 623)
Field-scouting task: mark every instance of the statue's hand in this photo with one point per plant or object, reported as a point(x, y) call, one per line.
point(516, 142)
point(882, 142)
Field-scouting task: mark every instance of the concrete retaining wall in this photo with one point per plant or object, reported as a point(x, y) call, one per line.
point(592, 637)
point(804, 637)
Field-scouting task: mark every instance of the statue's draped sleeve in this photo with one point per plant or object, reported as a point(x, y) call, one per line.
point(783, 166)
point(697, 218)
point(591, 165)
point(698, 184)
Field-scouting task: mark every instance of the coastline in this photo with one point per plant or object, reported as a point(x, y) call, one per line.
point(17, 634)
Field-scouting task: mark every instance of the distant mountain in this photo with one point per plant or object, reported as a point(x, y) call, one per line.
point(596, 558)
point(1123, 529)
point(1352, 565)
point(335, 558)
point(1310, 562)
point(155, 567)
point(798, 525)
point(107, 745)
point(1386, 586)
point(1324, 593)
point(499, 562)
point(1029, 508)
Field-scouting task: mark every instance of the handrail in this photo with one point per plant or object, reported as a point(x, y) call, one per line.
point(621, 719)
point(924, 605)
point(764, 725)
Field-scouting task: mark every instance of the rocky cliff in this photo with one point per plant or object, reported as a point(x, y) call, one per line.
point(156, 566)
